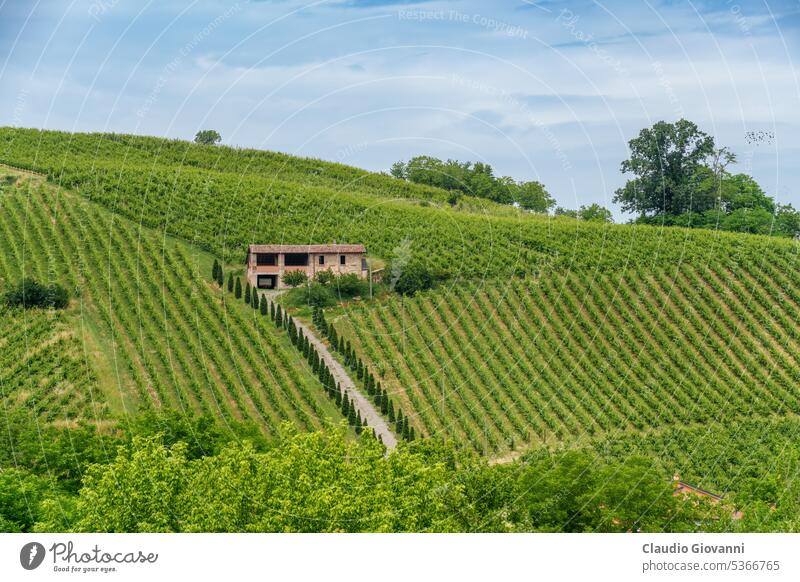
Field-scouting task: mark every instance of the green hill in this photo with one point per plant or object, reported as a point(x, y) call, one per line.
point(146, 329)
point(542, 331)
point(223, 199)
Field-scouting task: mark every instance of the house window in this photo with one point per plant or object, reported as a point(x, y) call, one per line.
point(322, 259)
point(295, 259)
point(266, 259)
point(342, 260)
point(363, 264)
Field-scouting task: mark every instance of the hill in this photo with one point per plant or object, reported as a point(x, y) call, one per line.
point(569, 357)
point(146, 328)
point(223, 199)
point(542, 333)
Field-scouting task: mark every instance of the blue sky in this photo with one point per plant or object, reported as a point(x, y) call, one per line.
point(541, 90)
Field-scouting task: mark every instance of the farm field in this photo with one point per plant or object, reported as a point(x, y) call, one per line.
point(146, 329)
point(568, 357)
point(223, 199)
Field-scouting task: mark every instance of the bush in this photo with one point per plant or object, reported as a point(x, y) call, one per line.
point(294, 278)
point(29, 293)
point(350, 285)
point(413, 278)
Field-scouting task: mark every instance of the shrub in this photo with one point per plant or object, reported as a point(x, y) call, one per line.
point(412, 279)
point(294, 278)
point(30, 293)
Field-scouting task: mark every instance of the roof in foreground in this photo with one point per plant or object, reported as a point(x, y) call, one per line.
point(331, 248)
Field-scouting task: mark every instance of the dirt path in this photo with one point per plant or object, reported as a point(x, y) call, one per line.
point(368, 412)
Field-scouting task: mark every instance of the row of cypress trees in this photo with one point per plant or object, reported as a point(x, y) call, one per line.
point(286, 322)
point(374, 389)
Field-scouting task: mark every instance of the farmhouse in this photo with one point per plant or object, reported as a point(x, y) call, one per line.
point(266, 264)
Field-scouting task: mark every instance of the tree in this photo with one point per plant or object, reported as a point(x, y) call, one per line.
point(413, 278)
point(247, 293)
point(29, 293)
point(207, 137)
point(238, 291)
point(262, 306)
point(215, 271)
point(666, 160)
point(230, 282)
point(533, 196)
point(294, 278)
point(595, 212)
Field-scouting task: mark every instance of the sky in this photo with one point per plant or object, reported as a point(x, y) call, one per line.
point(541, 90)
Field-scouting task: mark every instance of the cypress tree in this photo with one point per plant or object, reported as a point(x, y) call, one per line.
point(359, 426)
point(399, 422)
point(278, 317)
point(390, 412)
point(262, 305)
point(384, 402)
point(247, 293)
point(411, 435)
point(230, 282)
point(346, 406)
point(272, 310)
point(215, 270)
point(340, 347)
point(220, 277)
point(406, 433)
point(351, 416)
point(238, 291)
point(338, 396)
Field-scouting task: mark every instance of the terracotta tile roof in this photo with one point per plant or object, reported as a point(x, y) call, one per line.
point(333, 248)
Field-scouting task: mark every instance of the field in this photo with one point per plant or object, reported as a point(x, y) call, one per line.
point(223, 199)
point(569, 357)
point(542, 331)
point(146, 329)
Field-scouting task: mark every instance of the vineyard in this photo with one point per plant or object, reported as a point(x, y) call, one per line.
point(223, 199)
point(161, 334)
point(749, 457)
point(570, 357)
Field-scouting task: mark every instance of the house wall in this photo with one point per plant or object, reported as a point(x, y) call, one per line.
point(352, 265)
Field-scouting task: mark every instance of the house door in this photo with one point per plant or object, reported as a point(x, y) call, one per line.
point(267, 281)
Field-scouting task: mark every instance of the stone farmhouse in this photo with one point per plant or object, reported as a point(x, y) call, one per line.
point(266, 264)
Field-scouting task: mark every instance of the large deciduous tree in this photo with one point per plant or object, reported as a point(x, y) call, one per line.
point(666, 160)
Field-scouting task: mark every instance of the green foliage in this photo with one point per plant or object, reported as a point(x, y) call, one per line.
point(230, 282)
point(29, 293)
point(466, 178)
point(294, 278)
point(433, 237)
point(207, 137)
point(667, 160)
point(411, 279)
point(238, 291)
point(486, 363)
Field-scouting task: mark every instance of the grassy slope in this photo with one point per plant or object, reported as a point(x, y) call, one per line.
point(223, 199)
point(570, 357)
point(147, 328)
point(629, 328)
